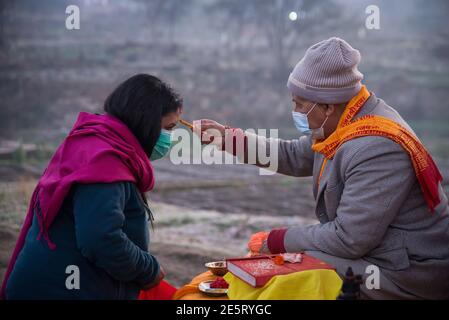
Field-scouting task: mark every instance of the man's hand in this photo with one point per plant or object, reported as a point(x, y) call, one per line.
point(257, 244)
point(156, 280)
point(208, 129)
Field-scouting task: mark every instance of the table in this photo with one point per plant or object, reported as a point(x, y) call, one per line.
point(318, 284)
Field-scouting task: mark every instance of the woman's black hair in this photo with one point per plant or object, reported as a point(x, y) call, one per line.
point(140, 102)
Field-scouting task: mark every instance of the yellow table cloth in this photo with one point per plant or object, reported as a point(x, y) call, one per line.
point(318, 284)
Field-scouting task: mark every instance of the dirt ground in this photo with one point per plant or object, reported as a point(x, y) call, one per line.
point(183, 239)
point(195, 209)
point(180, 262)
point(8, 236)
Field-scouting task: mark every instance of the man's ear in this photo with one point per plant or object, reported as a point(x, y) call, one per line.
point(330, 110)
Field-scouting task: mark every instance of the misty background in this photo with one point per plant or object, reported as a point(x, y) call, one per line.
point(230, 60)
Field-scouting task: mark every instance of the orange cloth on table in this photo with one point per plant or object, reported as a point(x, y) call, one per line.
point(163, 291)
point(191, 292)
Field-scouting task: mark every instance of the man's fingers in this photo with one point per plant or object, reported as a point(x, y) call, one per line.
point(209, 131)
point(200, 125)
point(205, 124)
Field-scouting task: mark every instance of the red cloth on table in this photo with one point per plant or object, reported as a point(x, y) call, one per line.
point(163, 291)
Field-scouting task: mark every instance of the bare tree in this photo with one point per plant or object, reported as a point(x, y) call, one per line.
point(282, 31)
point(272, 21)
point(5, 7)
point(162, 13)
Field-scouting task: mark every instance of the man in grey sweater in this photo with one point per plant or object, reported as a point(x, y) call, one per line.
point(370, 205)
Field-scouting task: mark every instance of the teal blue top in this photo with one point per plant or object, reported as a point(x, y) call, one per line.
point(102, 230)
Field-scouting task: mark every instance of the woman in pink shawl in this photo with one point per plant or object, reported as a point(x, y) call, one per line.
point(86, 232)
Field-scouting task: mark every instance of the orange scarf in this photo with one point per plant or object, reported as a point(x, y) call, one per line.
point(425, 168)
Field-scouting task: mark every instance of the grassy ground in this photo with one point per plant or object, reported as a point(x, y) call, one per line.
point(183, 239)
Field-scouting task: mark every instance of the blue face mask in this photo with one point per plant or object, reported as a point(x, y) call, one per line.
point(302, 122)
point(162, 146)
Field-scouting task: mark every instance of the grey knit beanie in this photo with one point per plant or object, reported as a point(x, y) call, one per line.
point(327, 73)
